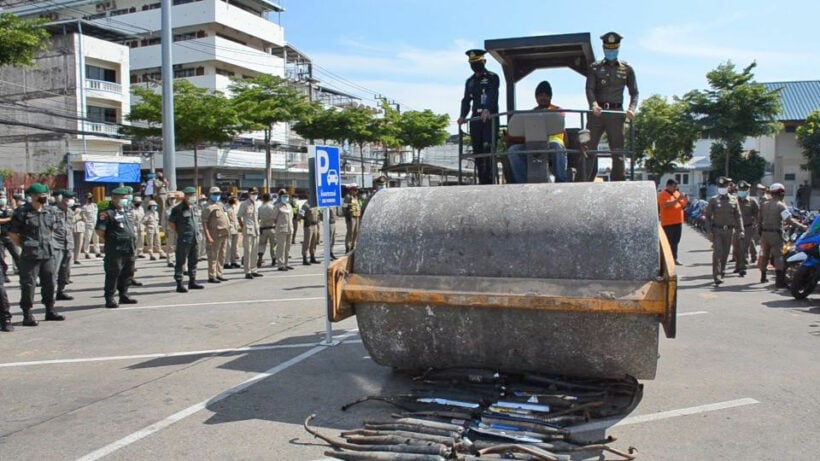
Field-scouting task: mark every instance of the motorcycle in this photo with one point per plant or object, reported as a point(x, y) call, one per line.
point(805, 278)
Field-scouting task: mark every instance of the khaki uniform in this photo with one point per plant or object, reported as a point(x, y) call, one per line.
point(267, 233)
point(722, 220)
point(150, 223)
point(310, 215)
point(771, 234)
point(170, 238)
point(138, 213)
point(283, 226)
point(249, 219)
point(353, 214)
point(79, 233)
point(90, 213)
point(749, 211)
point(215, 219)
point(233, 243)
point(63, 244)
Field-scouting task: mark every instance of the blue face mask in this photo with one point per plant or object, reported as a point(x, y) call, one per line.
point(742, 193)
point(611, 55)
point(285, 199)
point(123, 202)
point(215, 198)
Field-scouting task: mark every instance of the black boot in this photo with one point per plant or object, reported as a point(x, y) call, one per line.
point(52, 315)
point(110, 303)
point(305, 261)
point(780, 279)
point(763, 278)
point(259, 259)
point(125, 299)
point(28, 319)
point(313, 260)
point(192, 285)
point(63, 297)
point(333, 257)
point(5, 323)
point(180, 287)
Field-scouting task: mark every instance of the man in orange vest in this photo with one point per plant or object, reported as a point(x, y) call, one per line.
point(671, 203)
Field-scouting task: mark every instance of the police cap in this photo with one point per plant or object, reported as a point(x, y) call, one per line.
point(152, 203)
point(89, 195)
point(723, 181)
point(68, 193)
point(129, 189)
point(282, 192)
point(380, 180)
point(214, 190)
point(37, 188)
point(137, 199)
point(743, 185)
point(253, 190)
point(57, 192)
point(189, 190)
point(612, 40)
point(120, 191)
point(476, 55)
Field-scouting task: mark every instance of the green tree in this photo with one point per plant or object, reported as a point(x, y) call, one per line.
point(318, 123)
point(733, 108)
point(422, 129)
point(21, 40)
point(808, 137)
point(748, 166)
point(201, 117)
point(665, 133)
point(264, 101)
point(359, 127)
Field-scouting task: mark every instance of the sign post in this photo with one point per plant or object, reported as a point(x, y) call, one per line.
point(328, 196)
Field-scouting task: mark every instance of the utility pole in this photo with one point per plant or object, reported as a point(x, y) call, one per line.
point(168, 138)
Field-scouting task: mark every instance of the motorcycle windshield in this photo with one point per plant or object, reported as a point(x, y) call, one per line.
point(814, 229)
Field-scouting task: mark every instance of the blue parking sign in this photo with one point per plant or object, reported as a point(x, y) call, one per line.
point(328, 178)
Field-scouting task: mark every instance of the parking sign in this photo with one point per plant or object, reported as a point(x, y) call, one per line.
point(328, 178)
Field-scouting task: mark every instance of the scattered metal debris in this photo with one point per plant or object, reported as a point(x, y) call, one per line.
point(465, 414)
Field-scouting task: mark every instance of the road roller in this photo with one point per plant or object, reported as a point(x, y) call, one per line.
point(564, 278)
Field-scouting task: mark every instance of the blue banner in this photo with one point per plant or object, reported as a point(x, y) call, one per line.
point(112, 172)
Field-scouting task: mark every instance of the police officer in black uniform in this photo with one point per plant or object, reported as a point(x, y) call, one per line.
point(605, 91)
point(31, 229)
point(481, 93)
point(117, 232)
point(63, 239)
point(185, 221)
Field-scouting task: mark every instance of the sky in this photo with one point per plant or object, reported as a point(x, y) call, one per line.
point(412, 51)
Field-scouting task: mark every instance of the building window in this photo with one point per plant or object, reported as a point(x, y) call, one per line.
point(185, 36)
point(790, 129)
point(682, 178)
point(101, 114)
point(119, 12)
point(92, 17)
point(789, 177)
point(100, 73)
point(152, 6)
point(183, 73)
point(224, 72)
point(150, 41)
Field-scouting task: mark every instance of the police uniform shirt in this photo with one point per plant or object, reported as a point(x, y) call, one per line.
point(480, 92)
point(606, 81)
point(723, 211)
point(151, 220)
point(187, 222)
point(771, 215)
point(216, 219)
point(310, 214)
point(282, 213)
point(90, 212)
point(248, 215)
point(35, 231)
point(63, 232)
point(748, 210)
point(266, 216)
point(118, 232)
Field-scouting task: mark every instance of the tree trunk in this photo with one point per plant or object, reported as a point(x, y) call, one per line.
point(361, 157)
point(267, 158)
point(726, 162)
point(196, 169)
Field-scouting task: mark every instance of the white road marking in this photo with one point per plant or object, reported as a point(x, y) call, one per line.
point(607, 423)
point(180, 415)
point(684, 314)
point(222, 303)
point(158, 355)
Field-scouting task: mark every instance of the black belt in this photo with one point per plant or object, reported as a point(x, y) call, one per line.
point(612, 105)
point(723, 227)
point(266, 228)
point(771, 230)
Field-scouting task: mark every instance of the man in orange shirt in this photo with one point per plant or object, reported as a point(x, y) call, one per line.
point(670, 207)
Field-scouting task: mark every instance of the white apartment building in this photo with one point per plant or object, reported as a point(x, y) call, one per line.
point(69, 104)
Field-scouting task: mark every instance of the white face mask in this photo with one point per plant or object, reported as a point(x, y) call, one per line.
point(723, 190)
point(69, 203)
point(253, 197)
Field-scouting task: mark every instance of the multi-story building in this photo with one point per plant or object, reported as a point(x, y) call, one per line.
point(69, 105)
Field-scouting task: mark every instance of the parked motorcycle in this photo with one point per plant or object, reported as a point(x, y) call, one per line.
point(805, 278)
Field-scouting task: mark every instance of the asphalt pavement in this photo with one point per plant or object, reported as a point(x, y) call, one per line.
point(231, 371)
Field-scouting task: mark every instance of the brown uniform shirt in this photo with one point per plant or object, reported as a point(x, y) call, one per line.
point(771, 217)
point(749, 211)
point(722, 210)
point(216, 219)
point(606, 81)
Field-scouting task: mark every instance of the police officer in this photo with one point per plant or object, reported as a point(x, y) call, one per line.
point(283, 226)
point(6, 211)
point(185, 220)
point(151, 222)
point(90, 213)
point(217, 231)
point(63, 235)
point(134, 216)
point(606, 80)
point(773, 214)
point(117, 232)
point(248, 216)
point(749, 211)
point(170, 236)
point(267, 233)
point(233, 246)
point(722, 216)
point(31, 229)
point(379, 183)
point(310, 216)
point(353, 213)
point(161, 194)
point(481, 94)
point(138, 213)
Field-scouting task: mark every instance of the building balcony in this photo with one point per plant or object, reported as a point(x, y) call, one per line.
point(209, 49)
point(101, 128)
point(102, 85)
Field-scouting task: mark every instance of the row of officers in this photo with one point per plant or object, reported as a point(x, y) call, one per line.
point(733, 219)
point(51, 229)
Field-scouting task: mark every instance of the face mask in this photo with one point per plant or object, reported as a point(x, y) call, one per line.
point(191, 200)
point(137, 204)
point(380, 188)
point(28, 199)
point(2, 202)
point(285, 199)
point(477, 66)
point(130, 197)
point(611, 55)
point(723, 190)
point(42, 199)
point(69, 203)
point(123, 202)
point(153, 208)
point(253, 197)
point(742, 193)
point(216, 198)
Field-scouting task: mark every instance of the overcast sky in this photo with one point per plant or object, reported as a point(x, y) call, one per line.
point(412, 51)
